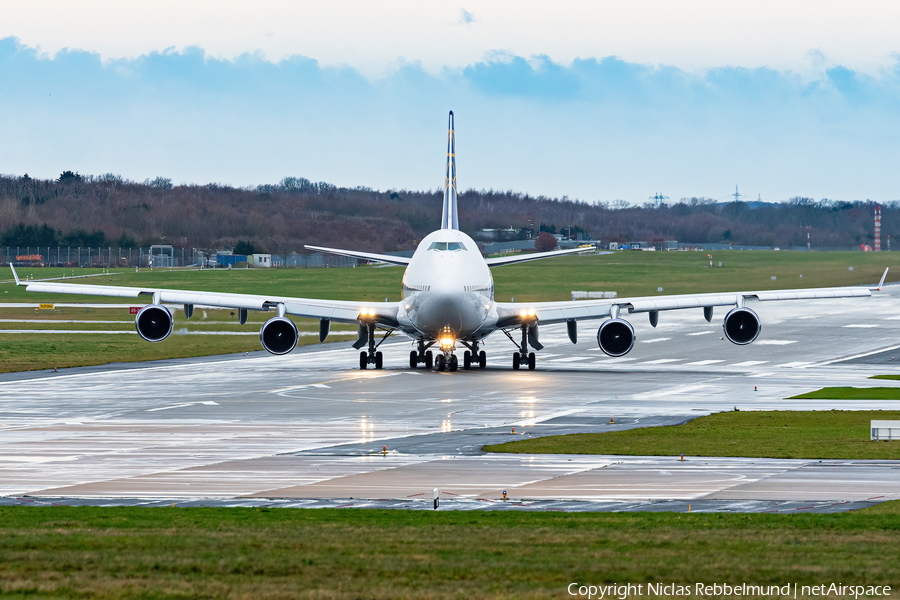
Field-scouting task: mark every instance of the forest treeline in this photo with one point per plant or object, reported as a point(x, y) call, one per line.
point(107, 210)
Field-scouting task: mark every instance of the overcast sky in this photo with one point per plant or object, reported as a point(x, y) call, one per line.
point(596, 100)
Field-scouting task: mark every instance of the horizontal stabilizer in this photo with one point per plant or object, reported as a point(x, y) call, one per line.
point(394, 260)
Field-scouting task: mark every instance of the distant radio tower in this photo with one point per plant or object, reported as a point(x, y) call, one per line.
point(877, 229)
point(659, 199)
point(736, 195)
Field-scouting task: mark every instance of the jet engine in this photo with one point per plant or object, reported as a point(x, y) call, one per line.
point(741, 326)
point(154, 323)
point(616, 337)
point(279, 335)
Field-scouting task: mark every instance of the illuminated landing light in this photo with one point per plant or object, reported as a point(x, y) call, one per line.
point(367, 312)
point(526, 313)
point(447, 342)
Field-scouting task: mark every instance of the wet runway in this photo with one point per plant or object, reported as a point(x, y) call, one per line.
point(310, 427)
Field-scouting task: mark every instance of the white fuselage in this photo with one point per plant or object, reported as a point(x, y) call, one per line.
point(448, 289)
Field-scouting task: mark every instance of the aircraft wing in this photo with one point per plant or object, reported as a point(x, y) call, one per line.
point(341, 311)
point(394, 260)
point(511, 314)
point(518, 258)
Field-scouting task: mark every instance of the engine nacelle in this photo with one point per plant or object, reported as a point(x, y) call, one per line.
point(154, 323)
point(741, 326)
point(616, 337)
point(279, 335)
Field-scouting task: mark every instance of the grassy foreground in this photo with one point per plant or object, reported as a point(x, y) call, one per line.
point(851, 393)
point(763, 434)
point(331, 553)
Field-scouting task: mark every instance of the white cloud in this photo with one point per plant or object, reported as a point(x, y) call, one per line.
point(370, 36)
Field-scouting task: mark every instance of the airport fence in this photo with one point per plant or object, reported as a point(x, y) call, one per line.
point(149, 257)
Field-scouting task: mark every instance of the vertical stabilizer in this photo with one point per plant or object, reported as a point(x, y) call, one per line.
point(449, 218)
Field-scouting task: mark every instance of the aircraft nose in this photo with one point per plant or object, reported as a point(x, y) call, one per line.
point(447, 286)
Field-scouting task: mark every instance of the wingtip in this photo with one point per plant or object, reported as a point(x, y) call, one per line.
point(883, 277)
point(15, 275)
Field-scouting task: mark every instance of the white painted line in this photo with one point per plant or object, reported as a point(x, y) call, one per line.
point(861, 325)
point(206, 402)
point(794, 365)
point(571, 359)
point(774, 342)
point(701, 333)
point(700, 363)
point(888, 349)
point(63, 331)
point(655, 340)
point(749, 363)
point(613, 361)
point(661, 361)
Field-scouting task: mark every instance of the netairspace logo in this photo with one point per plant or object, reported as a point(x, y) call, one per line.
point(633, 590)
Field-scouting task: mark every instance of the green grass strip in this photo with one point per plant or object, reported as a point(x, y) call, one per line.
point(763, 434)
point(851, 393)
point(90, 552)
point(891, 377)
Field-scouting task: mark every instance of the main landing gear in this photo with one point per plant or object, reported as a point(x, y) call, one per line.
point(373, 357)
point(422, 356)
point(522, 357)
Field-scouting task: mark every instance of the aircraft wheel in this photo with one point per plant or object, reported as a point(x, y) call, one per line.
point(454, 362)
point(363, 360)
point(516, 361)
point(379, 360)
point(467, 360)
point(531, 361)
point(413, 359)
point(440, 362)
point(429, 359)
point(482, 359)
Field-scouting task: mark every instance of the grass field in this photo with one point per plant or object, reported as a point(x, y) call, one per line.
point(627, 273)
point(332, 553)
point(890, 377)
point(763, 434)
point(851, 393)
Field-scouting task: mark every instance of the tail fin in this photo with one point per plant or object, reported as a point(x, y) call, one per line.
point(449, 218)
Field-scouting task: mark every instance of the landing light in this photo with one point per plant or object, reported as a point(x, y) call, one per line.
point(367, 312)
point(526, 313)
point(447, 342)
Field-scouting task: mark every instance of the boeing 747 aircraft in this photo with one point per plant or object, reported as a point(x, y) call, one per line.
point(448, 304)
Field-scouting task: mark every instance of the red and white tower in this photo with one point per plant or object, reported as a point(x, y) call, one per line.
point(877, 229)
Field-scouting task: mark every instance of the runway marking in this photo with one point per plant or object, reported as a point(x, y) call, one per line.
point(861, 325)
point(888, 349)
point(206, 402)
point(794, 365)
point(324, 384)
point(775, 342)
point(700, 363)
point(546, 356)
point(660, 361)
point(613, 360)
point(571, 359)
point(750, 363)
point(655, 340)
point(701, 333)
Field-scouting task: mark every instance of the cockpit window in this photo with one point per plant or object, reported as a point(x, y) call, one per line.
point(447, 246)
